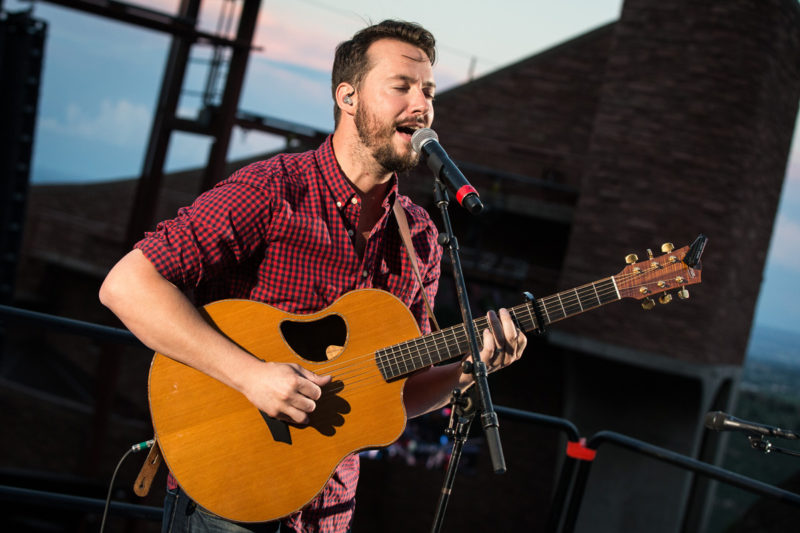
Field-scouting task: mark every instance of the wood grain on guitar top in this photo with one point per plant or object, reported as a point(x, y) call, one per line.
point(219, 446)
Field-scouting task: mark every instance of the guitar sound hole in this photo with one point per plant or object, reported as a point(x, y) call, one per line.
point(311, 339)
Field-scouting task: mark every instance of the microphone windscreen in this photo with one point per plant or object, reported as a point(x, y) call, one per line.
point(715, 420)
point(420, 137)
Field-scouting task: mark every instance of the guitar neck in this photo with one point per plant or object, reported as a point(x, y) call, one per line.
point(407, 357)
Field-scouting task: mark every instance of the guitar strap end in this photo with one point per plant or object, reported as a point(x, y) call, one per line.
point(141, 487)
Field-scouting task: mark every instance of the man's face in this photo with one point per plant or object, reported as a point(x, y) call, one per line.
point(395, 99)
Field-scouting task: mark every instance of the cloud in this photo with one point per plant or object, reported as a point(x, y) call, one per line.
point(311, 44)
point(119, 123)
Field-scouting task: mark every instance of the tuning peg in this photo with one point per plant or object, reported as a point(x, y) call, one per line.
point(631, 258)
point(667, 247)
point(650, 253)
point(683, 294)
point(665, 298)
point(648, 304)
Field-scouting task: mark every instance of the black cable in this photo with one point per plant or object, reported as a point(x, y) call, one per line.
point(133, 449)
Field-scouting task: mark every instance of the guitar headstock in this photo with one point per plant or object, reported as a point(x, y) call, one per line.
point(644, 279)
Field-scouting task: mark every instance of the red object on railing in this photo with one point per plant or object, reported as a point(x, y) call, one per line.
point(578, 450)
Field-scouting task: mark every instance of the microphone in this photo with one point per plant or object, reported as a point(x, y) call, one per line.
point(721, 421)
point(426, 143)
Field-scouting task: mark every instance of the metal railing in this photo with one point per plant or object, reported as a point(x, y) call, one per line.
point(567, 496)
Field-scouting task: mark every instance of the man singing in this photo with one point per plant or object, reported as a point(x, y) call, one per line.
point(296, 232)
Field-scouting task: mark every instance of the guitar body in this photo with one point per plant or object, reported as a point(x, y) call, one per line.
point(236, 462)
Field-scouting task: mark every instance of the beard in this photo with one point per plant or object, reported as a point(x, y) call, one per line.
point(377, 138)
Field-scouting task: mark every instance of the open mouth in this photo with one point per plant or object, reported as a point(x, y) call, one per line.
point(406, 131)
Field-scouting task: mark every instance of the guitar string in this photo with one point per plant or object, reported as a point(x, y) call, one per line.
point(455, 332)
point(564, 302)
point(398, 354)
point(567, 302)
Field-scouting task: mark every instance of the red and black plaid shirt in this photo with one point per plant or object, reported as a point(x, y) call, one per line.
point(282, 232)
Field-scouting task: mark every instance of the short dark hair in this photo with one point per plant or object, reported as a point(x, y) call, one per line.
point(351, 63)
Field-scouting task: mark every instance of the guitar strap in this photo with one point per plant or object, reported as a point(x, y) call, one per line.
point(148, 472)
point(405, 234)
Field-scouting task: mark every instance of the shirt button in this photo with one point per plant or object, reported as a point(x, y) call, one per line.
point(354, 200)
point(339, 205)
point(350, 232)
point(364, 274)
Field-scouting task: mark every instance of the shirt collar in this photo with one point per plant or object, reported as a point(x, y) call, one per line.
point(340, 187)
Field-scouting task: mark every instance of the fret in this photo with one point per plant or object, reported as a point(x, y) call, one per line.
point(564, 311)
point(616, 289)
point(451, 342)
point(438, 353)
point(412, 349)
point(529, 308)
point(517, 321)
point(584, 298)
point(396, 363)
point(383, 363)
point(394, 366)
point(609, 290)
point(379, 363)
point(578, 297)
point(425, 357)
point(419, 354)
point(405, 359)
point(597, 296)
point(546, 314)
point(388, 364)
point(553, 309)
point(526, 323)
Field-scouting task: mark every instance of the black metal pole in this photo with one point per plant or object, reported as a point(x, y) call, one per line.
point(463, 411)
point(144, 203)
point(488, 415)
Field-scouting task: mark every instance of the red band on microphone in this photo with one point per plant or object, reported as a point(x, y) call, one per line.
point(463, 191)
point(578, 450)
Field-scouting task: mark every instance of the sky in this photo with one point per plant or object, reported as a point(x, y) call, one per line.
point(101, 79)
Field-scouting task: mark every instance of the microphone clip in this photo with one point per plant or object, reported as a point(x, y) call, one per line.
point(758, 442)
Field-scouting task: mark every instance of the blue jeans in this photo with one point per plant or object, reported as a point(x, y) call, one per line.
point(182, 515)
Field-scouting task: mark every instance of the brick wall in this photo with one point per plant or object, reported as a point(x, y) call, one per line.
point(692, 133)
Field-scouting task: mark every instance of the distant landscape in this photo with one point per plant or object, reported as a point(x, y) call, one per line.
point(769, 393)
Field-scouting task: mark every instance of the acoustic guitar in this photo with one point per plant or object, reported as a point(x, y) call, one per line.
point(243, 465)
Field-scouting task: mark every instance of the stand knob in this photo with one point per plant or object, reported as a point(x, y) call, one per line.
point(631, 258)
point(648, 304)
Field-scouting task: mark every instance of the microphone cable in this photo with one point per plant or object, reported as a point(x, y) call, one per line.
point(133, 449)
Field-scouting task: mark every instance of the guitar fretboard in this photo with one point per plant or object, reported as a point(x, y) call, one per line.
point(407, 357)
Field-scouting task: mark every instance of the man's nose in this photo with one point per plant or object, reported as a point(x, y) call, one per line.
point(420, 103)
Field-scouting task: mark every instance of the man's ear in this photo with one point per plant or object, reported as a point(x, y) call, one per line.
point(346, 98)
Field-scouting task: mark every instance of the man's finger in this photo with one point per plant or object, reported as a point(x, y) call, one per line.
point(510, 329)
point(496, 327)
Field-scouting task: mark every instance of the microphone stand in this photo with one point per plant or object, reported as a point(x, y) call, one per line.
point(477, 368)
point(461, 415)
